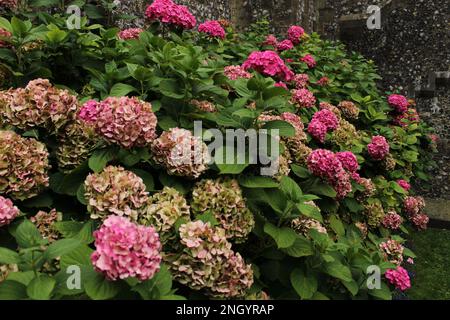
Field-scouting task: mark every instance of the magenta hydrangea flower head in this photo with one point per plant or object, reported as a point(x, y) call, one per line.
point(404, 184)
point(270, 40)
point(124, 249)
point(213, 29)
point(398, 102)
point(115, 191)
point(128, 122)
point(413, 205)
point(8, 211)
point(420, 220)
point(281, 84)
point(399, 278)
point(236, 72)
point(392, 220)
point(301, 80)
point(326, 117)
point(317, 130)
point(378, 148)
point(348, 160)
point(295, 34)
point(268, 63)
point(168, 12)
point(309, 60)
point(130, 33)
point(303, 98)
point(284, 45)
point(181, 153)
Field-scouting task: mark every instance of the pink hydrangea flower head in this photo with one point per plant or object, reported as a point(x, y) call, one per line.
point(236, 72)
point(309, 60)
point(420, 220)
point(281, 84)
point(8, 211)
point(124, 250)
point(392, 220)
point(270, 40)
point(392, 251)
point(301, 80)
point(8, 4)
point(327, 117)
point(168, 12)
point(348, 160)
point(378, 148)
point(303, 98)
point(295, 34)
point(323, 81)
point(404, 184)
point(285, 45)
point(213, 29)
point(413, 205)
point(130, 33)
point(317, 130)
point(6, 34)
point(398, 102)
point(408, 117)
point(128, 122)
point(268, 63)
point(399, 278)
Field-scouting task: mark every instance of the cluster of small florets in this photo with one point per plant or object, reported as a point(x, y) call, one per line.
point(345, 134)
point(163, 209)
point(309, 60)
point(212, 28)
point(392, 220)
point(404, 184)
point(170, 13)
point(378, 148)
point(374, 213)
point(323, 81)
point(281, 84)
point(181, 153)
point(322, 122)
point(413, 205)
point(303, 224)
point(130, 33)
point(348, 160)
point(295, 34)
point(208, 263)
point(6, 269)
point(328, 106)
point(115, 191)
point(128, 122)
point(303, 98)
point(270, 40)
point(24, 166)
point(398, 102)
point(399, 278)
point(236, 72)
point(224, 199)
point(420, 220)
point(389, 162)
point(284, 45)
point(204, 105)
point(392, 251)
point(367, 184)
point(124, 249)
point(348, 109)
point(75, 144)
point(363, 228)
point(5, 34)
point(325, 164)
point(408, 117)
point(268, 63)
point(8, 211)
point(39, 104)
point(301, 80)
point(292, 118)
point(45, 222)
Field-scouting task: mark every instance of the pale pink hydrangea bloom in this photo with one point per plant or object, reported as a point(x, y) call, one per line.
point(295, 34)
point(168, 12)
point(413, 205)
point(213, 29)
point(301, 80)
point(309, 60)
point(399, 278)
point(378, 148)
point(128, 122)
point(285, 45)
point(236, 72)
point(420, 220)
point(8, 211)
point(398, 102)
point(404, 184)
point(131, 33)
point(410, 260)
point(268, 63)
point(303, 98)
point(124, 250)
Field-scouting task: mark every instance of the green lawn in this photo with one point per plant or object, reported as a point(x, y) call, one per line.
point(432, 265)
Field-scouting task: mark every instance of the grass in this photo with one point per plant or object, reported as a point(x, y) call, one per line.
point(431, 268)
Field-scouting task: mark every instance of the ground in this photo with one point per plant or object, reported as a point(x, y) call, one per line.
point(431, 269)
